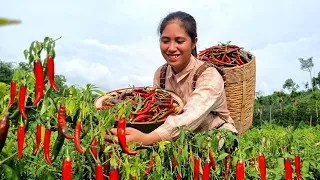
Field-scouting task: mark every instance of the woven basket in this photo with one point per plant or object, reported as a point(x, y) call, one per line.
point(240, 91)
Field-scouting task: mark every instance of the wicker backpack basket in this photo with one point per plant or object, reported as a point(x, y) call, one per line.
point(240, 91)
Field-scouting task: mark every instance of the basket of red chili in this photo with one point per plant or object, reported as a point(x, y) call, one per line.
point(150, 106)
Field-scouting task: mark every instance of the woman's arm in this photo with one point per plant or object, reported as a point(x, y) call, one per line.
point(206, 96)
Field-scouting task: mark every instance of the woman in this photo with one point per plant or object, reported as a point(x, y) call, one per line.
point(178, 39)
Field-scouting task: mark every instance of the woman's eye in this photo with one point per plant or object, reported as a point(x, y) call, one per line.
point(180, 42)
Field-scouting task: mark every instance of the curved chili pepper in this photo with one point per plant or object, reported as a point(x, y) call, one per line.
point(20, 140)
point(179, 176)
point(38, 71)
point(121, 133)
point(51, 73)
point(206, 171)
point(13, 89)
point(262, 166)
point(211, 156)
point(38, 138)
point(99, 172)
point(94, 147)
point(142, 117)
point(46, 148)
point(62, 127)
point(240, 170)
point(297, 165)
point(22, 101)
point(196, 169)
point(114, 173)
point(288, 168)
point(146, 110)
point(67, 169)
point(4, 128)
point(77, 138)
point(149, 168)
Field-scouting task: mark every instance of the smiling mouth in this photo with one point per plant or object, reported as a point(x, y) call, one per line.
point(173, 56)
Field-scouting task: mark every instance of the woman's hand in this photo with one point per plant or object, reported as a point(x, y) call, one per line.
point(135, 136)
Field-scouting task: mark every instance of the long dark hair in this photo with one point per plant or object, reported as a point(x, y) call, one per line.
point(188, 22)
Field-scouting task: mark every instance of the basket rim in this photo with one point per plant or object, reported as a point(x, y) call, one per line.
point(242, 66)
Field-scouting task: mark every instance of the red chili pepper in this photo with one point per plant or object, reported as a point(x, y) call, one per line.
point(20, 140)
point(146, 110)
point(67, 169)
point(13, 89)
point(62, 127)
point(179, 176)
point(142, 117)
point(99, 172)
point(148, 170)
point(240, 170)
point(288, 168)
point(298, 166)
point(175, 162)
point(94, 147)
point(196, 169)
point(77, 131)
point(239, 60)
point(38, 138)
point(46, 148)
point(213, 165)
point(262, 166)
point(206, 171)
point(121, 132)
point(39, 75)
point(51, 73)
point(191, 157)
point(4, 128)
point(114, 173)
point(22, 101)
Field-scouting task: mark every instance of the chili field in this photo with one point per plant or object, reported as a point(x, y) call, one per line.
point(51, 131)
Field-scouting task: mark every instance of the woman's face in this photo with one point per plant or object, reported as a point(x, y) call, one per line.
point(176, 46)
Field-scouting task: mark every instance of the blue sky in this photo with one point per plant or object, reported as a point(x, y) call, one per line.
point(114, 45)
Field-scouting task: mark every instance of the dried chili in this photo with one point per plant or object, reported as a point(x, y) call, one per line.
point(99, 172)
point(39, 75)
point(240, 170)
point(51, 73)
point(4, 128)
point(38, 138)
point(150, 165)
point(20, 140)
point(227, 166)
point(262, 166)
point(142, 117)
point(46, 148)
point(62, 127)
point(77, 138)
point(298, 166)
point(121, 133)
point(22, 101)
point(206, 171)
point(288, 168)
point(13, 89)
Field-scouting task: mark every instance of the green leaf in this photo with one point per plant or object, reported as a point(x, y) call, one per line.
point(38, 172)
point(222, 156)
point(38, 45)
point(100, 92)
point(45, 41)
point(7, 171)
point(44, 107)
point(25, 52)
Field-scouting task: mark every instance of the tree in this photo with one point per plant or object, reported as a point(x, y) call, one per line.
point(290, 85)
point(6, 72)
point(307, 65)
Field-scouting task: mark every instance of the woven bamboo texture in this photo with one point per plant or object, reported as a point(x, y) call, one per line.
point(240, 91)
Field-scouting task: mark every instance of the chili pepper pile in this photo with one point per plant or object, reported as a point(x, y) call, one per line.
point(148, 104)
point(226, 55)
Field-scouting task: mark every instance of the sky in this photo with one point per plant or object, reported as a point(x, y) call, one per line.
point(116, 45)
